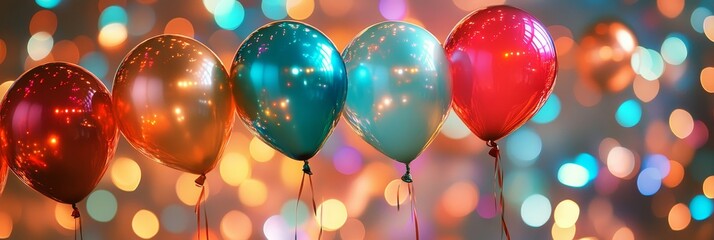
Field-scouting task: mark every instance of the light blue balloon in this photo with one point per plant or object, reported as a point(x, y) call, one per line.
point(399, 90)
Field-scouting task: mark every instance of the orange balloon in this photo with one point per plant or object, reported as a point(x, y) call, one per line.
point(603, 57)
point(173, 102)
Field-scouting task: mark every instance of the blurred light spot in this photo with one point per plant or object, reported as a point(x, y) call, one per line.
point(701, 207)
point(707, 79)
point(96, 63)
point(145, 224)
point(47, 3)
point(697, 19)
point(674, 49)
point(620, 162)
point(142, 21)
point(670, 8)
point(290, 172)
point(647, 63)
point(211, 5)
point(274, 9)
point(179, 26)
point(5, 225)
point(234, 168)
point(454, 128)
point(460, 199)
point(300, 9)
point(559, 233)
point(113, 14)
point(566, 213)
point(486, 207)
point(333, 8)
point(585, 95)
point(659, 162)
point(112, 35)
point(649, 181)
point(186, 189)
point(708, 187)
point(175, 218)
point(390, 192)
point(64, 50)
point(353, 230)
point(589, 163)
point(63, 215)
point(260, 151)
point(470, 5)
point(675, 176)
point(645, 90)
point(229, 14)
point(549, 111)
point(275, 228)
point(289, 211)
point(331, 214)
point(347, 160)
point(624, 233)
point(535, 210)
point(252, 193)
point(679, 217)
point(125, 174)
point(236, 225)
point(523, 146)
point(43, 21)
point(709, 27)
point(681, 123)
point(573, 175)
point(521, 183)
point(39, 45)
point(102, 205)
point(629, 113)
point(653, 136)
point(393, 9)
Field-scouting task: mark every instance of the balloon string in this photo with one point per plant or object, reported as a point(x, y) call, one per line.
point(407, 178)
point(307, 171)
point(498, 174)
point(76, 216)
point(201, 198)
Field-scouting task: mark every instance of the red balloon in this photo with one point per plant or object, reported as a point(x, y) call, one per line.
point(57, 130)
point(503, 66)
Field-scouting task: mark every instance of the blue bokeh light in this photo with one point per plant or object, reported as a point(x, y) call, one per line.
point(549, 111)
point(649, 181)
point(229, 14)
point(113, 14)
point(589, 162)
point(274, 9)
point(523, 146)
point(629, 113)
point(573, 175)
point(47, 3)
point(701, 207)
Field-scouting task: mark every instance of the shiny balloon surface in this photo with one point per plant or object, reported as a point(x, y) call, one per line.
point(58, 131)
point(604, 54)
point(400, 88)
point(289, 84)
point(3, 165)
point(503, 64)
point(173, 102)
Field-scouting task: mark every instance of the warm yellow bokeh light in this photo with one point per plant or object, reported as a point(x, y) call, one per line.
point(708, 187)
point(252, 193)
point(235, 225)
point(670, 8)
point(675, 175)
point(186, 189)
point(353, 230)
point(334, 215)
point(470, 5)
point(559, 233)
point(125, 174)
point(709, 28)
point(234, 168)
point(390, 192)
point(260, 151)
point(300, 9)
point(566, 213)
point(460, 199)
point(63, 215)
point(679, 217)
point(706, 78)
point(681, 123)
point(620, 162)
point(624, 233)
point(5, 225)
point(145, 224)
point(112, 35)
point(180, 26)
point(334, 8)
point(290, 172)
point(645, 90)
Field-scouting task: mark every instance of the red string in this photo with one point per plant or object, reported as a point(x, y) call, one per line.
point(76, 216)
point(412, 198)
point(498, 174)
point(398, 188)
point(201, 197)
point(306, 171)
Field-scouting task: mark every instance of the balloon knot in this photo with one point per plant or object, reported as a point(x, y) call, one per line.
point(306, 168)
point(75, 211)
point(494, 148)
point(407, 177)
point(200, 180)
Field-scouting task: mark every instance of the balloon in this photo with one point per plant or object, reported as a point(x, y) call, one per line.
point(58, 131)
point(400, 88)
point(289, 86)
point(503, 64)
point(603, 57)
point(173, 103)
point(3, 166)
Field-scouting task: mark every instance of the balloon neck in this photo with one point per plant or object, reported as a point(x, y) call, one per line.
point(407, 177)
point(200, 180)
point(494, 148)
point(306, 168)
point(75, 211)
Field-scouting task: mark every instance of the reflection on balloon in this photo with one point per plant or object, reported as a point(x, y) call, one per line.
point(173, 103)
point(603, 57)
point(58, 130)
point(3, 166)
point(289, 85)
point(400, 88)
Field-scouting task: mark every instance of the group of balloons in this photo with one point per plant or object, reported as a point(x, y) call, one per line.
point(289, 84)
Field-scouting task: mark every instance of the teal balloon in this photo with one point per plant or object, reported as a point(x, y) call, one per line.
point(400, 88)
point(289, 85)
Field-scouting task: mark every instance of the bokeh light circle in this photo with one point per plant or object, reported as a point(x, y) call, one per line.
point(102, 205)
point(145, 224)
point(535, 210)
point(629, 113)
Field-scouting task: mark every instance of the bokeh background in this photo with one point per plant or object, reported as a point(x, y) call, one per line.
point(595, 163)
